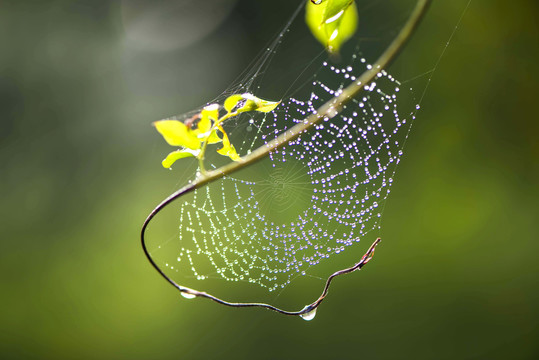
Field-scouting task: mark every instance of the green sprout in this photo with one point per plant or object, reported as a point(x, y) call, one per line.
point(332, 22)
point(193, 141)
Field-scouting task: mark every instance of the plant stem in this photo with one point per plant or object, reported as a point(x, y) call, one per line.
point(200, 156)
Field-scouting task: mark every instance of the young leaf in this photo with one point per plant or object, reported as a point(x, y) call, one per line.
point(267, 106)
point(211, 112)
point(177, 133)
point(178, 154)
point(228, 149)
point(211, 138)
point(257, 104)
point(232, 101)
point(204, 124)
point(335, 10)
point(250, 103)
point(332, 22)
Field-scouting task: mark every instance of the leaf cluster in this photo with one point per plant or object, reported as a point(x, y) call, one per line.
point(205, 128)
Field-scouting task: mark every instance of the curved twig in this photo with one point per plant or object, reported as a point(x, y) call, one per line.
point(329, 110)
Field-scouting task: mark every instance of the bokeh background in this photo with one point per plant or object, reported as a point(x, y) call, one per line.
point(80, 82)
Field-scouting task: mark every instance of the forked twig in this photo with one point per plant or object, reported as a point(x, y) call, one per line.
point(327, 111)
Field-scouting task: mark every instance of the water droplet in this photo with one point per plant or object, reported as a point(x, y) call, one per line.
point(188, 295)
point(308, 316)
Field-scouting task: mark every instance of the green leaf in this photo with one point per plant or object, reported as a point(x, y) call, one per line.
point(250, 103)
point(231, 102)
point(332, 22)
point(335, 9)
point(213, 138)
point(228, 149)
point(177, 133)
point(211, 112)
point(204, 126)
point(267, 106)
point(257, 104)
point(178, 154)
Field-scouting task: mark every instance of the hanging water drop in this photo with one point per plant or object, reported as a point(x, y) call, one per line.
point(308, 316)
point(188, 295)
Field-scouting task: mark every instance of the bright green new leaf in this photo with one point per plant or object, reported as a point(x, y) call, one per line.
point(267, 106)
point(178, 154)
point(213, 138)
point(211, 112)
point(332, 22)
point(228, 149)
point(231, 102)
point(177, 133)
point(257, 104)
point(251, 103)
point(204, 126)
point(335, 9)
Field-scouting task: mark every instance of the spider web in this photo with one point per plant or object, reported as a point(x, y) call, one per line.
point(283, 219)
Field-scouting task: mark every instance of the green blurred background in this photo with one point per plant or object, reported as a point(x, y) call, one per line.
point(80, 82)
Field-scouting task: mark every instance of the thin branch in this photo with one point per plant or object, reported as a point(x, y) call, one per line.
point(327, 111)
point(364, 260)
